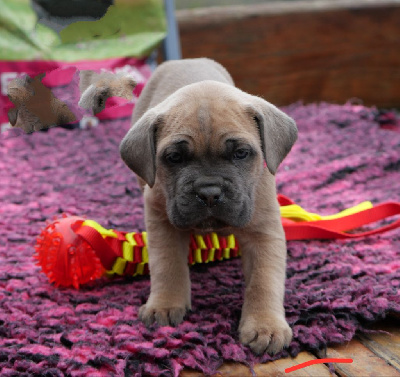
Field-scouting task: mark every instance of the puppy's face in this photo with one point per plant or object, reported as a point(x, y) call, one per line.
point(20, 90)
point(204, 148)
point(208, 165)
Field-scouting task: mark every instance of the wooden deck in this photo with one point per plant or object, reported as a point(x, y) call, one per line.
point(374, 355)
point(310, 50)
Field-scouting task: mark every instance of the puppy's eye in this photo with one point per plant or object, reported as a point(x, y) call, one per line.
point(241, 154)
point(174, 157)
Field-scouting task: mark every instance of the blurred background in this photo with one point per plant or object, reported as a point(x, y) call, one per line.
point(285, 51)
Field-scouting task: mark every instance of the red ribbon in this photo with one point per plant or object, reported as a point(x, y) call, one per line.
point(335, 228)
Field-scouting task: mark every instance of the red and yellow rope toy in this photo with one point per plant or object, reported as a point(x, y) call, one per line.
point(73, 251)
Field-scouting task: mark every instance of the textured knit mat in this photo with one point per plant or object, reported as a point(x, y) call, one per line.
point(345, 155)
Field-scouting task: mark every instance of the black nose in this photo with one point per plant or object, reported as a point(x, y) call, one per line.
point(209, 195)
point(208, 190)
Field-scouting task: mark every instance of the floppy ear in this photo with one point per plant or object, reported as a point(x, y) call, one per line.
point(94, 98)
point(86, 100)
point(138, 147)
point(100, 98)
point(278, 132)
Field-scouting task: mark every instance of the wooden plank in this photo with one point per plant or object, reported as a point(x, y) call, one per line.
point(277, 368)
point(317, 52)
point(385, 345)
point(271, 369)
point(217, 14)
point(373, 354)
point(365, 362)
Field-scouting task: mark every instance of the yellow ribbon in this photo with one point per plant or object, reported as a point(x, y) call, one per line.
point(296, 213)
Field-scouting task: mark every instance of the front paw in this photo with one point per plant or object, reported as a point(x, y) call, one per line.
point(171, 316)
point(265, 333)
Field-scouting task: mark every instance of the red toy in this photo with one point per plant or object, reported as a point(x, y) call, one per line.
point(73, 251)
point(66, 258)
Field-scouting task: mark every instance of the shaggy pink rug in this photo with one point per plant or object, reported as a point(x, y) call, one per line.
point(345, 155)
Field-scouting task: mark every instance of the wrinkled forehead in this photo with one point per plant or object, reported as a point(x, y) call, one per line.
point(207, 121)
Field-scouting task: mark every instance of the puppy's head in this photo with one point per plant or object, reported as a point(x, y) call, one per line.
point(21, 89)
point(33, 100)
point(205, 147)
point(96, 88)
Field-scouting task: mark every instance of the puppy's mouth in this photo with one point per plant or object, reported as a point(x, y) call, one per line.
point(210, 224)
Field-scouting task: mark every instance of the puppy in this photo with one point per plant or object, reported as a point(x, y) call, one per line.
point(96, 88)
point(36, 107)
point(199, 146)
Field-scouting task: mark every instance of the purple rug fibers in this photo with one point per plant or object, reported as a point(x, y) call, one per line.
point(345, 155)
